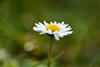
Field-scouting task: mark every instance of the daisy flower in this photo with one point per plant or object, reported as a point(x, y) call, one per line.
point(53, 29)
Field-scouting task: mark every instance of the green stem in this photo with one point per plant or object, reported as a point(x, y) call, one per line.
point(50, 51)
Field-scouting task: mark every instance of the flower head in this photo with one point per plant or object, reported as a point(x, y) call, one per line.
point(55, 29)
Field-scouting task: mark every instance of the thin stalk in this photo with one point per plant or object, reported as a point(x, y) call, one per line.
point(50, 52)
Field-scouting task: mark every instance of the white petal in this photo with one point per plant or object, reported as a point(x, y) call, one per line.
point(60, 35)
point(69, 32)
point(55, 22)
point(65, 25)
point(51, 22)
point(66, 33)
point(49, 31)
point(56, 37)
point(45, 23)
point(64, 29)
point(35, 28)
point(41, 24)
point(36, 24)
point(62, 23)
point(58, 24)
point(42, 33)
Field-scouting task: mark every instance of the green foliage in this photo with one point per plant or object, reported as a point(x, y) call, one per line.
point(10, 64)
point(17, 17)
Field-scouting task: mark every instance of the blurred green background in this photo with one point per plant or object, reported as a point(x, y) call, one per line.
point(20, 46)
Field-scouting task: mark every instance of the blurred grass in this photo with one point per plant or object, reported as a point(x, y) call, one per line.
point(80, 48)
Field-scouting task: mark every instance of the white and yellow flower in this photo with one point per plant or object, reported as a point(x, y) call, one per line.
point(55, 29)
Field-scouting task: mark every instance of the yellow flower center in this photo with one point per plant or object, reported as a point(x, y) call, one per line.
point(52, 27)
